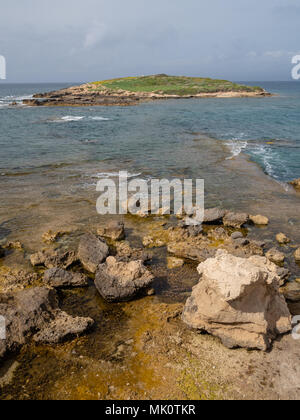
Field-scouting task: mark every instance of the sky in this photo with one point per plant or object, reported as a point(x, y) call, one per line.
point(80, 41)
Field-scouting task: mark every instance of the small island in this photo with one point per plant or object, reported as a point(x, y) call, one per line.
point(133, 90)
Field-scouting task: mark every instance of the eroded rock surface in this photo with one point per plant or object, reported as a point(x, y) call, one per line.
point(34, 313)
point(118, 281)
point(238, 300)
point(235, 220)
point(53, 259)
point(114, 231)
point(59, 278)
point(92, 252)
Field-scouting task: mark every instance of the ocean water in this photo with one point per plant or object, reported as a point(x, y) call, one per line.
point(150, 137)
point(52, 158)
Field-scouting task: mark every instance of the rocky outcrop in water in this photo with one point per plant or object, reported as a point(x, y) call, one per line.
point(238, 300)
point(118, 281)
point(92, 252)
point(33, 314)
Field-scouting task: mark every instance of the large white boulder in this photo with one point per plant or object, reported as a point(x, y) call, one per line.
point(238, 300)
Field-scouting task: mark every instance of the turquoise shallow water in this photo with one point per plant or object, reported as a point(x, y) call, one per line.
point(150, 138)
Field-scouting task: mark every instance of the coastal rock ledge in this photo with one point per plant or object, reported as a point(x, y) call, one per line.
point(238, 300)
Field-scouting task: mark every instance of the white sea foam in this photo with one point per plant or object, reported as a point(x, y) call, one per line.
point(103, 175)
point(99, 119)
point(70, 118)
point(73, 118)
point(236, 147)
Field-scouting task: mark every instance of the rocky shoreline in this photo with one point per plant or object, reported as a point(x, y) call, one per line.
point(86, 95)
point(246, 295)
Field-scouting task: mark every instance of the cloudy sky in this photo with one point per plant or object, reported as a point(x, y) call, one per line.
point(75, 40)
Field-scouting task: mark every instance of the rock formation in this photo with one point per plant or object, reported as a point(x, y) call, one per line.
point(92, 252)
point(118, 281)
point(238, 300)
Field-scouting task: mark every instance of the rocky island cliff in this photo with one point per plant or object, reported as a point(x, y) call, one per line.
point(133, 90)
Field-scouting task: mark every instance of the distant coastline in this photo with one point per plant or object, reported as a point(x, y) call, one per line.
point(133, 90)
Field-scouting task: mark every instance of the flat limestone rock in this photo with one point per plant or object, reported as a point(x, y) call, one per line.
point(92, 252)
point(118, 281)
point(59, 278)
point(238, 300)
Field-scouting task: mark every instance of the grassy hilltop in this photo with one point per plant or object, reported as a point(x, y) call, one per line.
point(172, 85)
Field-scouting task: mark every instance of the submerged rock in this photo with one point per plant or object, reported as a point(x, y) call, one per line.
point(259, 220)
point(235, 220)
point(282, 239)
point(117, 281)
point(59, 278)
point(114, 231)
point(34, 313)
point(275, 256)
point(92, 252)
point(238, 300)
point(53, 259)
point(297, 255)
point(173, 262)
point(125, 253)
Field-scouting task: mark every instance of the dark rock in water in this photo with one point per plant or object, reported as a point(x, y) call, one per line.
point(92, 252)
point(59, 278)
point(117, 281)
point(213, 216)
point(34, 313)
point(114, 231)
point(53, 259)
point(235, 220)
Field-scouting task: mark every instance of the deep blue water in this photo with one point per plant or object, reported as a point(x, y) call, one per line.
point(151, 138)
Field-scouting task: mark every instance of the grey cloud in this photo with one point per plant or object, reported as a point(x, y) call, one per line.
point(71, 40)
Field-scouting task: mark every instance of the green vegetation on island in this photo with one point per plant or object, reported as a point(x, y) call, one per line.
point(173, 85)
